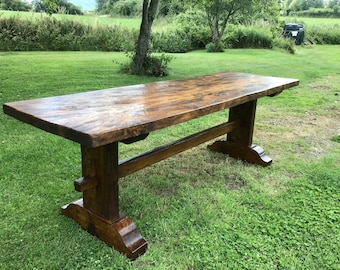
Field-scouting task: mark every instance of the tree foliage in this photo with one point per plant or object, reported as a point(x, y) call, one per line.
point(333, 3)
point(101, 4)
point(221, 12)
point(298, 5)
point(56, 6)
point(16, 5)
point(171, 7)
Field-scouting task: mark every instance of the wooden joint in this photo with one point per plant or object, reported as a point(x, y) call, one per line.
point(135, 139)
point(275, 94)
point(85, 183)
point(148, 158)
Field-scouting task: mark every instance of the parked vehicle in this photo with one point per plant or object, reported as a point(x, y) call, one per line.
point(294, 31)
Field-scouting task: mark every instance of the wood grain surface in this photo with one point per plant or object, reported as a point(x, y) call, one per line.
point(101, 117)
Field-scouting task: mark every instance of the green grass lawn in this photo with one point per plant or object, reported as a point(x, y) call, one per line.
point(197, 210)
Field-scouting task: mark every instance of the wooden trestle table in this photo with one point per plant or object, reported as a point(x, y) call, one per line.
point(99, 120)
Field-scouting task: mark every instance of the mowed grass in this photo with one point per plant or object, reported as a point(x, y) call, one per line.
point(197, 210)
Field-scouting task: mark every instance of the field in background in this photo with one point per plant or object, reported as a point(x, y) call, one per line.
point(93, 20)
point(312, 21)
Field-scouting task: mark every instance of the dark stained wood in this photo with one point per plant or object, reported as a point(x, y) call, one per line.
point(245, 113)
point(252, 154)
point(101, 163)
point(85, 183)
point(239, 142)
point(98, 211)
point(101, 117)
point(99, 120)
point(135, 139)
point(120, 233)
point(136, 163)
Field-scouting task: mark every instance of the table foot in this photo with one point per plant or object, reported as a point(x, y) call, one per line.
point(253, 154)
point(120, 233)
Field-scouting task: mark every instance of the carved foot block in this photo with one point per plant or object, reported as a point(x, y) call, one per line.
point(120, 233)
point(253, 154)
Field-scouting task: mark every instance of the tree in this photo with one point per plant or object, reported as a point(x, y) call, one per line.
point(298, 5)
point(101, 4)
point(109, 6)
point(50, 6)
point(221, 12)
point(171, 7)
point(140, 58)
point(16, 5)
point(56, 6)
point(333, 3)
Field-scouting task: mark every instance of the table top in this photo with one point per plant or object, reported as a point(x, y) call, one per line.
point(104, 116)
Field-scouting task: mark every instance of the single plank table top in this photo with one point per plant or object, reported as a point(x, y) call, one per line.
point(102, 117)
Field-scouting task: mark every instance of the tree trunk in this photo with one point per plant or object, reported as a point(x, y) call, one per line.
point(149, 13)
point(216, 37)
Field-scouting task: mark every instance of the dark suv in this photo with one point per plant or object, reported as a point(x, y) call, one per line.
point(294, 31)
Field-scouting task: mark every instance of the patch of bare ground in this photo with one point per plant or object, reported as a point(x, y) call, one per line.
point(307, 136)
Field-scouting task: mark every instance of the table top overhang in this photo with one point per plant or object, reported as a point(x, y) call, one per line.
point(104, 116)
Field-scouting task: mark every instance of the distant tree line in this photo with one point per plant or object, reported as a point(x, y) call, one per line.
point(16, 5)
point(305, 5)
point(49, 6)
point(56, 6)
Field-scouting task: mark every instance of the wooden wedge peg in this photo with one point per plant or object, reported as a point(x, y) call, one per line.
point(85, 183)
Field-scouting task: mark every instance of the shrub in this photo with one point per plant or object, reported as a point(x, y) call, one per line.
point(323, 34)
point(127, 8)
point(171, 41)
point(170, 8)
point(52, 34)
point(188, 32)
point(48, 33)
point(248, 37)
point(156, 66)
point(195, 24)
point(285, 43)
point(102, 38)
point(211, 47)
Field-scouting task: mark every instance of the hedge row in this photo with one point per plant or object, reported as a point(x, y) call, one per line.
point(60, 35)
point(188, 32)
point(318, 13)
point(323, 34)
point(48, 33)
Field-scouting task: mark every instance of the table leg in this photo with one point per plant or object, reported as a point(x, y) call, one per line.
point(239, 142)
point(98, 211)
